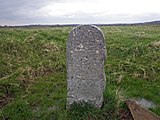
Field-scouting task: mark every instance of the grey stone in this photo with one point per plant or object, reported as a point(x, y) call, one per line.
point(86, 54)
point(145, 103)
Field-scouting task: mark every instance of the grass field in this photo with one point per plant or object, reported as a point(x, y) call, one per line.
point(33, 72)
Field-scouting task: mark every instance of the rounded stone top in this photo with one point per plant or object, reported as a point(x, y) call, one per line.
point(87, 27)
point(86, 32)
point(87, 38)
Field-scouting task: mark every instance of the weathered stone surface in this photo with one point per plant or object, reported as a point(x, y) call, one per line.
point(86, 54)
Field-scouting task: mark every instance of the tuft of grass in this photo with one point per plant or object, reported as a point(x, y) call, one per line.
point(84, 111)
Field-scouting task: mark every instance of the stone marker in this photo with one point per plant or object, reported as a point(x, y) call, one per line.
point(86, 54)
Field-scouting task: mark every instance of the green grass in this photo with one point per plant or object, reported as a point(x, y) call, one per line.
point(33, 72)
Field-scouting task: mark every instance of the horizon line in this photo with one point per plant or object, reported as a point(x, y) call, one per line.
point(70, 24)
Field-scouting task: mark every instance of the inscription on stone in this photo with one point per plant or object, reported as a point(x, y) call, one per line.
point(86, 54)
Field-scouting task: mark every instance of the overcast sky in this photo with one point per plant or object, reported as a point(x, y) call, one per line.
point(20, 12)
